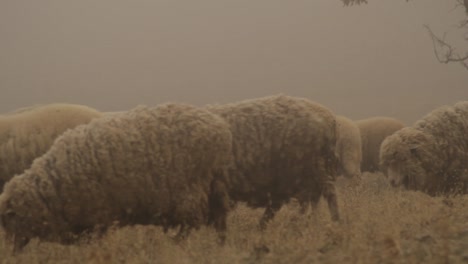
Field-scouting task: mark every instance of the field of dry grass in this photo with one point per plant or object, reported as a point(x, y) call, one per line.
point(379, 225)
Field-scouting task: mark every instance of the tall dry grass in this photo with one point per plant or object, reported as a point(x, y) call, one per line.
point(379, 225)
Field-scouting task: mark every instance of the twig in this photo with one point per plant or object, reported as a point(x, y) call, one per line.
point(450, 52)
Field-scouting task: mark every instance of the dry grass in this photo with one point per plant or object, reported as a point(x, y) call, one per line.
point(380, 225)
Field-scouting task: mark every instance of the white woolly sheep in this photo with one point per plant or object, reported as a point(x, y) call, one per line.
point(151, 165)
point(373, 132)
point(348, 147)
point(283, 147)
point(27, 133)
point(348, 151)
point(432, 155)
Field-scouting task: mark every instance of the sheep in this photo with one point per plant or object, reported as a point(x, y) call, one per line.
point(27, 133)
point(373, 132)
point(348, 151)
point(430, 156)
point(283, 147)
point(158, 165)
point(348, 147)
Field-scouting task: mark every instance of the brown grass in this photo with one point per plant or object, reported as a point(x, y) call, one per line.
point(380, 225)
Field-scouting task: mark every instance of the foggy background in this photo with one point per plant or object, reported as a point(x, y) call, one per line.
point(375, 59)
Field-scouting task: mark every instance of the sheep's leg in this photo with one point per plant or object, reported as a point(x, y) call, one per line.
point(303, 199)
point(183, 233)
point(221, 228)
point(329, 192)
point(312, 198)
point(304, 206)
point(269, 213)
point(19, 243)
point(219, 207)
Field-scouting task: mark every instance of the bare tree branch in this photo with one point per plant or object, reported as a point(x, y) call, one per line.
point(461, 3)
point(353, 2)
point(444, 52)
point(358, 2)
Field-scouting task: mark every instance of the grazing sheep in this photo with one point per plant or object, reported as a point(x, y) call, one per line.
point(348, 147)
point(283, 147)
point(160, 165)
point(373, 132)
point(348, 151)
point(27, 133)
point(432, 155)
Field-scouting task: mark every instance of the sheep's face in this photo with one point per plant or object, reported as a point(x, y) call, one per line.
point(22, 215)
point(394, 177)
point(11, 225)
point(402, 158)
point(408, 174)
point(19, 221)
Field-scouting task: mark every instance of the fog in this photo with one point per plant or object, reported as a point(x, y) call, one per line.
point(375, 59)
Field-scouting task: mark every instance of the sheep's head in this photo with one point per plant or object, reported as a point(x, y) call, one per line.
point(22, 213)
point(7, 221)
point(403, 156)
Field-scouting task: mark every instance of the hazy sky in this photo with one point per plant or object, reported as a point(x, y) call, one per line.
point(375, 59)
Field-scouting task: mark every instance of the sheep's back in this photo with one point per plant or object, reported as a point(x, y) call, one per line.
point(136, 167)
point(278, 141)
point(373, 132)
point(448, 126)
point(29, 133)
